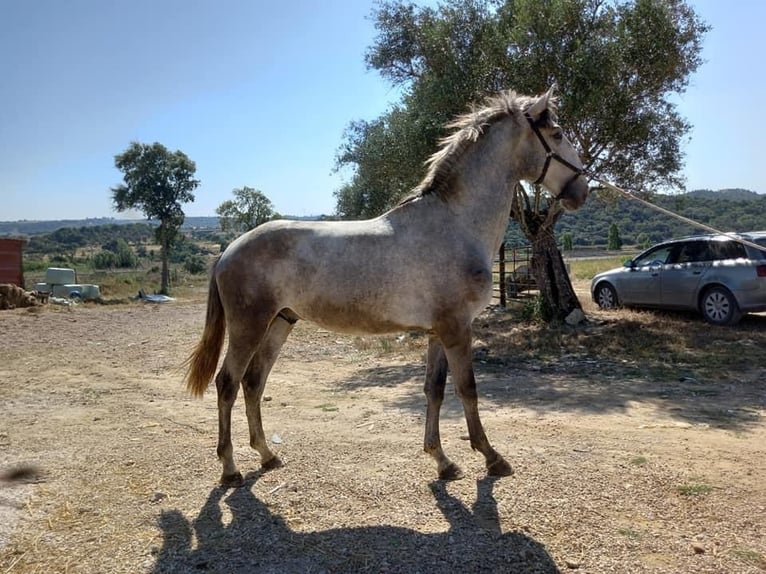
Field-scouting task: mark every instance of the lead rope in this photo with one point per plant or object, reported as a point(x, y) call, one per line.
point(678, 216)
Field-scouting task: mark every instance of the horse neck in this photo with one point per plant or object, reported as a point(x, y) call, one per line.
point(481, 198)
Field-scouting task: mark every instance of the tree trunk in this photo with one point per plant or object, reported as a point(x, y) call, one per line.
point(537, 218)
point(164, 256)
point(552, 278)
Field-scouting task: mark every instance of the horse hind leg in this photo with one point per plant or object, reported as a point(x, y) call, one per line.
point(254, 383)
point(243, 343)
point(226, 384)
point(436, 377)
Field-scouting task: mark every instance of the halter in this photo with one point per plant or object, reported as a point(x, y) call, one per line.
point(550, 154)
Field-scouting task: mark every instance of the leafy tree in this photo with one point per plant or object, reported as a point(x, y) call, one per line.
point(617, 64)
point(247, 210)
point(157, 182)
point(566, 242)
point(613, 241)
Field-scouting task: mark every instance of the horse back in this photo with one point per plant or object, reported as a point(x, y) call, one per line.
point(361, 277)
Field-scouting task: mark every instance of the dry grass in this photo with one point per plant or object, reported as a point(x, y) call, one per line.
point(645, 342)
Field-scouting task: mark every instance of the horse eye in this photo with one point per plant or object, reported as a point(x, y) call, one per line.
point(558, 135)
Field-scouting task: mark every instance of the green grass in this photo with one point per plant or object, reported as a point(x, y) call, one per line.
point(750, 557)
point(587, 268)
point(694, 489)
point(638, 461)
point(328, 407)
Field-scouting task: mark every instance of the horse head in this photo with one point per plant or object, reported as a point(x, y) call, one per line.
point(560, 169)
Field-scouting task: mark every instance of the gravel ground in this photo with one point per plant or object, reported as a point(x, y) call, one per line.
point(612, 473)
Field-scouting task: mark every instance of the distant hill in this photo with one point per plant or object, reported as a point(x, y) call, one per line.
point(726, 209)
point(31, 227)
point(26, 227)
point(733, 194)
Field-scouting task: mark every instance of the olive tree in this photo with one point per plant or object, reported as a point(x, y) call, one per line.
point(617, 65)
point(156, 182)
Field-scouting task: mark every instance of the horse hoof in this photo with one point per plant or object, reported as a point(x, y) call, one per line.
point(451, 472)
point(232, 480)
point(272, 463)
point(499, 468)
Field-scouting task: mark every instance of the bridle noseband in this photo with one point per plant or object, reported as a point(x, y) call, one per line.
point(549, 155)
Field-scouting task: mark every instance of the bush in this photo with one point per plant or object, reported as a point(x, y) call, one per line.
point(60, 259)
point(35, 264)
point(104, 260)
point(536, 310)
point(116, 253)
point(195, 264)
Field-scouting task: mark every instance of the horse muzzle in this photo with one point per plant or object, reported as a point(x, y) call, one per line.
point(574, 193)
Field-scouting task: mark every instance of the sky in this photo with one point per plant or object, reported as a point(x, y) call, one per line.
point(258, 93)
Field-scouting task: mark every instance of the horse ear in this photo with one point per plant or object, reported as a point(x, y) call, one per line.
point(551, 93)
point(541, 104)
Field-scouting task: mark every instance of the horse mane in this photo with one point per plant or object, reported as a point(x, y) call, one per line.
point(466, 130)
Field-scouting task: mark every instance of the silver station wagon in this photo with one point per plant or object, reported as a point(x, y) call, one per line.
point(712, 274)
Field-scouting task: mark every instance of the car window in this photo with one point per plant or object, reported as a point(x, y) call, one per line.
point(694, 251)
point(727, 249)
point(657, 256)
point(760, 252)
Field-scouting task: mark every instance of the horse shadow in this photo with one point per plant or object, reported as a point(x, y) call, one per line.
point(259, 541)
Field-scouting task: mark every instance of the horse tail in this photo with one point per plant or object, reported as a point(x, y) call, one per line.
point(203, 361)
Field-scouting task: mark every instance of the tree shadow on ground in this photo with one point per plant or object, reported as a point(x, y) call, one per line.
point(258, 541)
point(721, 405)
point(587, 373)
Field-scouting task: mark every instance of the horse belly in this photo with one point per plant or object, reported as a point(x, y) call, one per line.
point(360, 313)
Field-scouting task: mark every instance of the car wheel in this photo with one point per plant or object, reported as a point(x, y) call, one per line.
point(606, 296)
point(719, 307)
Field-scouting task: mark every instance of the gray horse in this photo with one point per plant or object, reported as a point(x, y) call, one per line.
point(387, 274)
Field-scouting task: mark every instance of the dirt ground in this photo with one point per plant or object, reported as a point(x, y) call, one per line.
point(613, 472)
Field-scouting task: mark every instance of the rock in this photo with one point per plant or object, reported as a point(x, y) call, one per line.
point(157, 497)
point(575, 317)
point(572, 564)
point(276, 439)
point(698, 548)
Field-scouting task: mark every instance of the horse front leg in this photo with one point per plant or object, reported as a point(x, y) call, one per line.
point(254, 383)
point(460, 363)
point(436, 377)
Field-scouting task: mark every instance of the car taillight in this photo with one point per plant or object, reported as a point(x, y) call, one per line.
point(760, 270)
